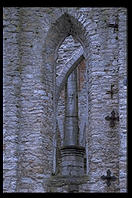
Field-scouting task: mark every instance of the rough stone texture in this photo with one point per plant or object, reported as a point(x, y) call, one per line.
point(42, 46)
point(67, 49)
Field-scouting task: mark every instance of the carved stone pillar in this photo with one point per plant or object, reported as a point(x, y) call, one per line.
point(72, 154)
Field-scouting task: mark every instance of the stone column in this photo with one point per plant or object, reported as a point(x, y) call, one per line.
point(71, 112)
point(72, 154)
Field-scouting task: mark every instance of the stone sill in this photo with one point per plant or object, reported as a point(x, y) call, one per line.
point(60, 180)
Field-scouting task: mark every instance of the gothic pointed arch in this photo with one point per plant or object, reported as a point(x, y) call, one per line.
point(63, 27)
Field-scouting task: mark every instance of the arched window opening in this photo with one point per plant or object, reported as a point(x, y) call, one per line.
point(71, 109)
point(58, 66)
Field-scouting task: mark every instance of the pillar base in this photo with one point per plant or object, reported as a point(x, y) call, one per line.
point(72, 160)
point(61, 183)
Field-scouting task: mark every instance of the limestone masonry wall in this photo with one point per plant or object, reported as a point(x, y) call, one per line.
point(42, 46)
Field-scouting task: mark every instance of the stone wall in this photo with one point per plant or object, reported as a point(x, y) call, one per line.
point(123, 82)
point(41, 48)
point(11, 98)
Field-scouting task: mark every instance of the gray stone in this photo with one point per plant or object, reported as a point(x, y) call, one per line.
point(41, 47)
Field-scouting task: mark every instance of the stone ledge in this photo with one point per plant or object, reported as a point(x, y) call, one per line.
point(81, 148)
point(58, 181)
point(72, 150)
